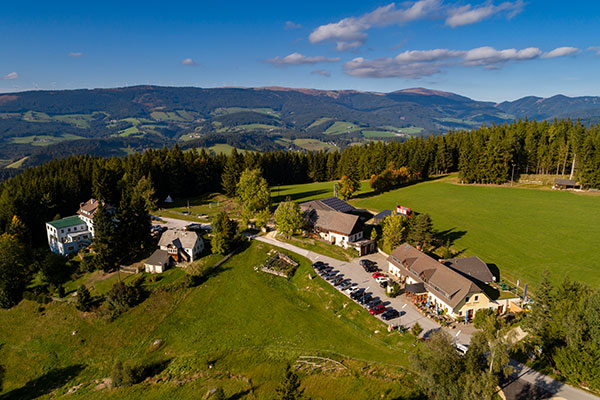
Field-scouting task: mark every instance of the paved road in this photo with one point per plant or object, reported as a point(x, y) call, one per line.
point(527, 384)
point(174, 223)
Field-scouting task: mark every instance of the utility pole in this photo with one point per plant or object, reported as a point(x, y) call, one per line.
point(512, 176)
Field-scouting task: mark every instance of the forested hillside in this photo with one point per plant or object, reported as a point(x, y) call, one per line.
point(37, 126)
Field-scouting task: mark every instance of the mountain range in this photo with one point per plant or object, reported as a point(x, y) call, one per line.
point(39, 125)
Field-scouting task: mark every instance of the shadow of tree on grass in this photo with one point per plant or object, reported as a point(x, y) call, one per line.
point(44, 384)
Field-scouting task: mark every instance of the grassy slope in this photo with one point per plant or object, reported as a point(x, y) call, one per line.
point(523, 231)
point(248, 324)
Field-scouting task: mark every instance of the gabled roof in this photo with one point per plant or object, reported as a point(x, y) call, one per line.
point(382, 215)
point(159, 257)
point(66, 222)
point(180, 239)
point(89, 208)
point(346, 224)
point(328, 204)
point(439, 279)
point(471, 267)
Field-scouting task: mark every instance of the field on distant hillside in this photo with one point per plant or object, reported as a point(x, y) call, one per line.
point(244, 324)
point(522, 231)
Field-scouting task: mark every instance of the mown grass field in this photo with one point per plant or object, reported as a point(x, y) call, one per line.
point(522, 231)
point(237, 330)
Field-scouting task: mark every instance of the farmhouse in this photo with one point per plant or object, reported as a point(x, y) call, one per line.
point(158, 262)
point(451, 290)
point(472, 268)
point(68, 235)
point(182, 246)
point(87, 211)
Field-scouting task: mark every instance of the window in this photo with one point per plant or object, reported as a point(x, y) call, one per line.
point(467, 299)
point(476, 297)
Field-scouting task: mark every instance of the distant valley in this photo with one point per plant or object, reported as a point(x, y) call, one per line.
point(37, 126)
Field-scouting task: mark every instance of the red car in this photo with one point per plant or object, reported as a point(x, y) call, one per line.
point(379, 309)
point(378, 275)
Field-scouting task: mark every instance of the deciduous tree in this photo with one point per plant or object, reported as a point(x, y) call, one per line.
point(288, 217)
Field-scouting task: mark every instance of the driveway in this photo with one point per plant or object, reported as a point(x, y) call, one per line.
point(174, 223)
point(409, 315)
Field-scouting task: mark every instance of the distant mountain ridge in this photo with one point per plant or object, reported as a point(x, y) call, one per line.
point(40, 123)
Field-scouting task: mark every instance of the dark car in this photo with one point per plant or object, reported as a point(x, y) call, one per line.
point(339, 279)
point(325, 271)
point(318, 264)
point(366, 263)
point(364, 299)
point(383, 284)
point(374, 302)
point(345, 284)
point(357, 293)
point(331, 276)
point(390, 314)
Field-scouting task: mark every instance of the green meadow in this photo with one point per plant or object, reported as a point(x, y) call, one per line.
point(237, 330)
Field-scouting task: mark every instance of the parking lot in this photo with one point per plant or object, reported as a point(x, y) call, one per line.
point(409, 315)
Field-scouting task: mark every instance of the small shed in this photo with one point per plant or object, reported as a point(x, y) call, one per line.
point(403, 211)
point(565, 184)
point(381, 216)
point(158, 262)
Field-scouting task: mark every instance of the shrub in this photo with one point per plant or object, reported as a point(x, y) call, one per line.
point(84, 299)
point(122, 297)
point(416, 329)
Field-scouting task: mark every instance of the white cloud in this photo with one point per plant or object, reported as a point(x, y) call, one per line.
point(188, 61)
point(489, 56)
point(12, 75)
point(292, 25)
point(299, 59)
point(322, 72)
point(420, 63)
point(467, 14)
point(561, 52)
point(349, 33)
point(595, 49)
point(75, 54)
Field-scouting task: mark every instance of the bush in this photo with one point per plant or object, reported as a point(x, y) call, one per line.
point(416, 329)
point(393, 289)
point(84, 299)
point(122, 297)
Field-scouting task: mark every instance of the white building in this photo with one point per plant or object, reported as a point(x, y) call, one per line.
point(68, 235)
point(87, 211)
point(181, 245)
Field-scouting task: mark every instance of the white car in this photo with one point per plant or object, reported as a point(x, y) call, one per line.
point(351, 289)
point(381, 279)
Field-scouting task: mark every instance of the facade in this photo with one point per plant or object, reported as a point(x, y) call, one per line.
point(87, 211)
point(403, 211)
point(68, 235)
point(182, 246)
point(443, 288)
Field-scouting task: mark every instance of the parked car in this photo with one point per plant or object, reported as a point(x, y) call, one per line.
point(357, 293)
point(325, 271)
point(362, 300)
point(462, 348)
point(374, 302)
point(390, 314)
point(318, 264)
point(345, 285)
point(331, 276)
point(351, 289)
point(376, 310)
point(366, 263)
point(378, 275)
point(338, 279)
point(383, 284)
point(381, 279)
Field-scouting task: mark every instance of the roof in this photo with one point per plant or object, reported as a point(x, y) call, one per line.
point(66, 222)
point(471, 267)
point(565, 182)
point(382, 215)
point(89, 208)
point(181, 239)
point(442, 281)
point(415, 288)
point(159, 257)
point(328, 204)
point(346, 224)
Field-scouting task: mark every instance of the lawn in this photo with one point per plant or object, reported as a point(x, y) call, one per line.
point(314, 145)
point(522, 231)
point(379, 134)
point(44, 140)
point(307, 191)
point(209, 205)
point(237, 330)
point(320, 247)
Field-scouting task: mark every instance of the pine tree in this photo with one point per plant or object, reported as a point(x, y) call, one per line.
point(421, 231)
point(231, 173)
point(107, 245)
point(84, 299)
point(289, 388)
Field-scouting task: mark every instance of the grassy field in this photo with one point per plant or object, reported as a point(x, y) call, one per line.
point(321, 247)
point(44, 140)
point(209, 205)
point(233, 110)
point(522, 231)
point(378, 134)
point(237, 331)
point(314, 145)
point(18, 163)
point(340, 127)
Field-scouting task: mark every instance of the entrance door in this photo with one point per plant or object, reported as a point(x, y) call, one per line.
point(469, 315)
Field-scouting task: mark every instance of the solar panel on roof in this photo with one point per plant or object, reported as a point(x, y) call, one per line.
point(337, 204)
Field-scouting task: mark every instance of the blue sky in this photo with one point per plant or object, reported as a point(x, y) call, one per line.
point(490, 50)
